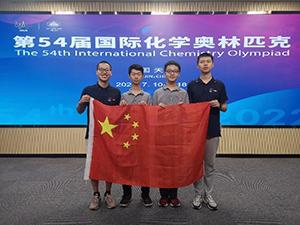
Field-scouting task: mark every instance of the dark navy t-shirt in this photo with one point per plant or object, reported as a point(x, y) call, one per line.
point(198, 91)
point(107, 96)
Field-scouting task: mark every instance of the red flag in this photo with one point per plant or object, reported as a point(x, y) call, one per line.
point(147, 145)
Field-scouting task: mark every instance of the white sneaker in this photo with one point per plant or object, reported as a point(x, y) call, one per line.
point(210, 202)
point(95, 202)
point(197, 201)
point(109, 201)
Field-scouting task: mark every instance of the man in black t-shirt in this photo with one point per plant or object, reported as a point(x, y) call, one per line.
point(108, 95)
point(206, 89)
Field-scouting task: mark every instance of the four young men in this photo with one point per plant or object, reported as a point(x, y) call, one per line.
point(204, 88)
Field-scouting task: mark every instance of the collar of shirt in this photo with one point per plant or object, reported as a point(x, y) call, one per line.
point(175, 89)
point(198, 80)
point(103, 87)
point(131, 93)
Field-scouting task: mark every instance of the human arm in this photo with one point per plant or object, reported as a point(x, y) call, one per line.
point(156, 102)
point(223, 99)
point(123, 101)
point(223, 107)
point(148, 100)
point(215, 103)
point(190, 93)
point(83, 103)
point(118, 99)
point(154, 99)
point(186, 98)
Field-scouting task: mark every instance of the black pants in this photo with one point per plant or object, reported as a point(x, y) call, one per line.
point(127, 190)
point(168, 192)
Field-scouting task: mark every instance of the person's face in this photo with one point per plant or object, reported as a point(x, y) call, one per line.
point(205, 64)
point(103, 72)
point(136, 76)
point(172, 73)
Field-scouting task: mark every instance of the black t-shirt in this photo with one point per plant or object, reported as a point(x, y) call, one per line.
point(198, 91)
point(107, 96)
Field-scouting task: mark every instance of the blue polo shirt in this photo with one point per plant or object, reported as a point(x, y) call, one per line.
point(198, 91)
point(107, 96)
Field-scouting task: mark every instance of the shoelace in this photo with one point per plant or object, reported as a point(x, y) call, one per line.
point(210, 199)
point(198, 198)
point(108, 199)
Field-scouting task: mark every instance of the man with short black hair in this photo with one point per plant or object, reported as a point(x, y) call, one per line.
point(206, 88)
point(108, 95)
point(170, 94)
point(135, 96)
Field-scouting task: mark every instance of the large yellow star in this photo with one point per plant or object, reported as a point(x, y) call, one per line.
point(127, 117)
point(135, 137)
point(126, 144)
point(107, 127)
point(135, 124)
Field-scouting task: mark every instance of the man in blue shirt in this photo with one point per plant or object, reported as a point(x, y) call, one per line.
point(206, 88)
point(108, 95)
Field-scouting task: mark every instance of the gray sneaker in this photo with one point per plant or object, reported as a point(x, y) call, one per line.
point(109, 201)
point(210, 202)
point(95, 202)
point(197, 202)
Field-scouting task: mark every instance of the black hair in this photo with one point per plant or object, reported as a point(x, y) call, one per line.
point(135, 67)
point(104, 62)
point(205, 54)
point(172, 62)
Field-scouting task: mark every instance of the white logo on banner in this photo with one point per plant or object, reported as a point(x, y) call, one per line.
point(21, 26)
point(53, 26)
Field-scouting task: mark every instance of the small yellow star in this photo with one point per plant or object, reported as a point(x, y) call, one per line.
point(127, 117)
point(126, 144)
point(135, 124)
point(135, 136)
point(107, 127)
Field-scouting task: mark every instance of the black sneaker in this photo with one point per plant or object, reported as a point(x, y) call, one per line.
point(147, 201)
point(125, 200)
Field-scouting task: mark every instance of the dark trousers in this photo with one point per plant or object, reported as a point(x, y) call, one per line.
point(127, 190)
point(168, 192)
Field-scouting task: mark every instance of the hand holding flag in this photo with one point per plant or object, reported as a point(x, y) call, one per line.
point(147, 145)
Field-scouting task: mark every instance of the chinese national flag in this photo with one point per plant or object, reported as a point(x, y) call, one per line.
point(147, 145)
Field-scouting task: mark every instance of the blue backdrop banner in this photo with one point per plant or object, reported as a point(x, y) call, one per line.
point(46, 61)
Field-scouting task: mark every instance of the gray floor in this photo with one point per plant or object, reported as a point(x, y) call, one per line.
point(250, 191)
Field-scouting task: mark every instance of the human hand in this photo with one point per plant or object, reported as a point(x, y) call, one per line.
point(123, 102)
point(84, 99)
point(162, 105)
point(215, 103)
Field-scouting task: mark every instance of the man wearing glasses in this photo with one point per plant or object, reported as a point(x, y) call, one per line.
point(108, 95)
point(170, 94)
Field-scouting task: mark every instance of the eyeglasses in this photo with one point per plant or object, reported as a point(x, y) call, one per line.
point(103, 70)
point(172, 71)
